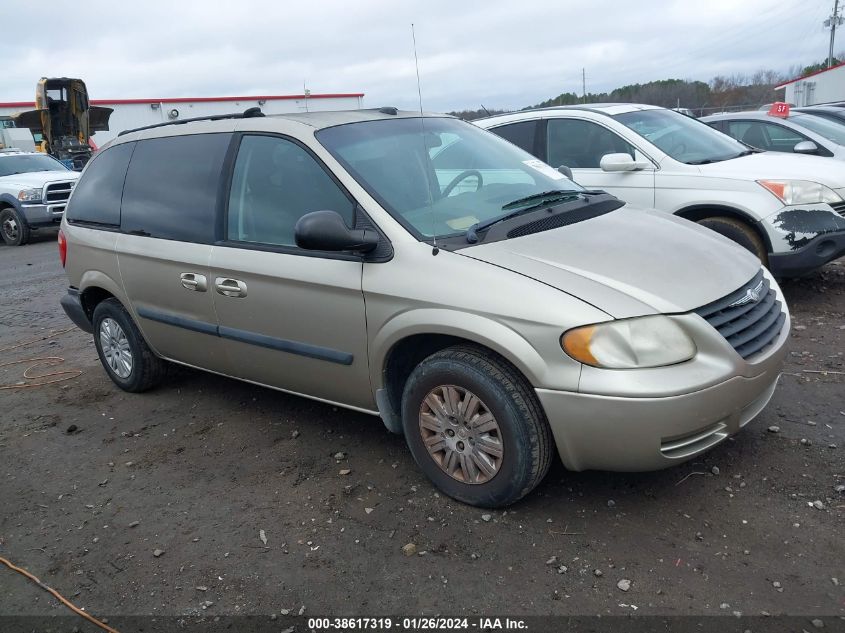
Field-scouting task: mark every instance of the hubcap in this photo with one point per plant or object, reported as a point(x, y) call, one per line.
point(10, 228)
point(461, 434)
point(115, 347)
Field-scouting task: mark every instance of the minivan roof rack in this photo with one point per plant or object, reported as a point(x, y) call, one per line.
point(249, 113)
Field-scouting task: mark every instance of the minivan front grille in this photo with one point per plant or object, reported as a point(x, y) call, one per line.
point(839, 207)
point(749, 318)
point(58, 191)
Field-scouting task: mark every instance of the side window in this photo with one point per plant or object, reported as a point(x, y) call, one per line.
point(171, 187)
point(96, 197)
point(522, 134)
point(581, 144)
point(751, 133)
point(782, 138)
point(275, 183)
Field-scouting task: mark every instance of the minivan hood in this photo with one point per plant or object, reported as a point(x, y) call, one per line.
point(38, 178)
point(629, 262)
point(772, 165)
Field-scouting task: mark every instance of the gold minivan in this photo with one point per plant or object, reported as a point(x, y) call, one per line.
point(423, 270)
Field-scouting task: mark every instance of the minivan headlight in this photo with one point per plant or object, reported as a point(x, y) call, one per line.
point(800, 191)
point(652, 341)
point(29, 195)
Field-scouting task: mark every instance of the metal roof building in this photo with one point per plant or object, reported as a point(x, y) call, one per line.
point(822, 86)
point(132, 113)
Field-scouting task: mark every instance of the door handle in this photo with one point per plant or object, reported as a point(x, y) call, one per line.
point(230, 287)
point(193, 281)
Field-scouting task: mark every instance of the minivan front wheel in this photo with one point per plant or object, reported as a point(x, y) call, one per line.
point(474, 426)
point(124, 353)
point(739, 232)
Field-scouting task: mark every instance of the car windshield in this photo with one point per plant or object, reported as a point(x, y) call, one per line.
point(26, 163)
point(684, 139)
point(442, 176)
point(829, 129)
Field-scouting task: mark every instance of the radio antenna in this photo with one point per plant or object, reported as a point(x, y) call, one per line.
point(434, 250)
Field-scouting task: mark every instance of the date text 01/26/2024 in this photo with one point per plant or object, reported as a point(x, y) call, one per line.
point(416, 624)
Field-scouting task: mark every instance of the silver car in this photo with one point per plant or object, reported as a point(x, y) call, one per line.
point(430, 273)
point(802, 132)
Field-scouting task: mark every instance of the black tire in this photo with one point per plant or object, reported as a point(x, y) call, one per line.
point(524, 433)
point(739, 232)
point(147, 369)
point(13, 227)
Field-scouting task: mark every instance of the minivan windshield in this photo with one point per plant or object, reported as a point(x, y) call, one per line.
point(26, 163)
point(684, 139)
point(442, 176)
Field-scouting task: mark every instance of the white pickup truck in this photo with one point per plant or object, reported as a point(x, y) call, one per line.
point(34, 189)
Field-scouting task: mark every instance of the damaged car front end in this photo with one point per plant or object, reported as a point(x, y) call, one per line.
point(805, 237)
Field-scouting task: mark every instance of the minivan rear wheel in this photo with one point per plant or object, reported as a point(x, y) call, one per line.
point(739, 232)
point(124, 353)
point(474, 426)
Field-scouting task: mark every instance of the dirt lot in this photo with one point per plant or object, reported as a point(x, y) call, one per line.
point(201, 468)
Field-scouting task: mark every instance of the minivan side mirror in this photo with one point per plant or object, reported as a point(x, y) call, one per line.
point(619, 162)
point(805, 147)
point(566, 171)
point(326, 231)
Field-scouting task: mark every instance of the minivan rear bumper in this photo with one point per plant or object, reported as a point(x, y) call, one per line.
point(639, 434)
point(73, 308)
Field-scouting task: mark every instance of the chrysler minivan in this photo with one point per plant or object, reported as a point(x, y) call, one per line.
point(422, 270)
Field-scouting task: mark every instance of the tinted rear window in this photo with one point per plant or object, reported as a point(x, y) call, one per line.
point(522, 134)
point(171, 187)
point(96, 197)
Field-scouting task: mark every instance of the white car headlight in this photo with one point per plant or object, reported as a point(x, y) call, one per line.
point(800, 191)
point(29, 195)
point(652, 341)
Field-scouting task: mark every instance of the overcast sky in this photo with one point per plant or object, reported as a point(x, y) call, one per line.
point(502, 53)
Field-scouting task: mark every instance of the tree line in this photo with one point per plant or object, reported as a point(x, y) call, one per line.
point(724, 92)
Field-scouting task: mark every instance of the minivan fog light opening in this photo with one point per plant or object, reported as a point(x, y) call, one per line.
point(652, 341)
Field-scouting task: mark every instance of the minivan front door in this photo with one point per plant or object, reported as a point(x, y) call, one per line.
point(288, 318)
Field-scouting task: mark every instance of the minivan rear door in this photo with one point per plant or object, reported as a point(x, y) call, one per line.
point(167, 233)
point(288, 318)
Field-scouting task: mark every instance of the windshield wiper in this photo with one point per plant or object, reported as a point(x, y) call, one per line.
point(526, 204)
point(707, 161)
point(541, 198)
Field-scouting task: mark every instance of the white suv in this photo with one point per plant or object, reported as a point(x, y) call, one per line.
point(34, 189)
point(787, 209)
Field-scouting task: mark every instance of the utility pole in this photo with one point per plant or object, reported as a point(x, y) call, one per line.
point(584, 81)
point(832, 22)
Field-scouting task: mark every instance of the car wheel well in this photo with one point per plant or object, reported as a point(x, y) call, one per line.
point(702, 212)
point(409, 352)
point(91, 298)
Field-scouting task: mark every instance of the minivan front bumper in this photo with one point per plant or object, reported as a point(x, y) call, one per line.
point(639, 434)
point(648, 419)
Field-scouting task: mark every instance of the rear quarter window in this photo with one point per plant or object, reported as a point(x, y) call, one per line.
point(96, 197)
point(172, 185)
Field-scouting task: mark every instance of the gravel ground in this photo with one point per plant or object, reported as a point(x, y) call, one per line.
point(161, 503)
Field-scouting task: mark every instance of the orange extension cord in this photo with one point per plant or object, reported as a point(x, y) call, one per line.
point(46, 361)
point(58, 596)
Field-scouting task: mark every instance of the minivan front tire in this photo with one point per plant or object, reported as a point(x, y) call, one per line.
point(124, 353)
point(475, 427)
